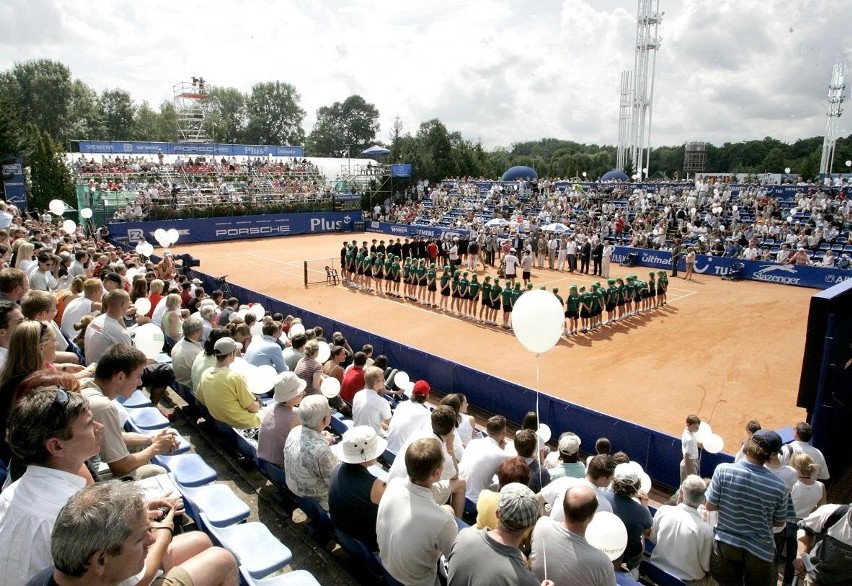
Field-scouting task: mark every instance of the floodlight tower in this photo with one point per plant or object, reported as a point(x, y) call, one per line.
point(836, 91)
point(624, 109)
point(642, 94)
point(191, 108)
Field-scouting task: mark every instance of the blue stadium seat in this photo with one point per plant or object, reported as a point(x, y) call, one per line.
point(188, 469)
point(319, 525)
point(254, 546)
point(148, 418)
point(294, 578)
point(658, 575)
point(217, 501)
point(137, 400)
point(623, 579)
point(358, 551)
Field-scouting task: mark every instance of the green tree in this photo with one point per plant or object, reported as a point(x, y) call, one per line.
point(41, 92)
point(49, 177)
point(352, 122)
point(167, 122)
point(85, 117)
point(394, 135)
point(146, 123)
point(228, 114)
point(10, 141)
point(274, 114)
point(118, 109)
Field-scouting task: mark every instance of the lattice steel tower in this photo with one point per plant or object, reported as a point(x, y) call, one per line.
point(191, 108)
point(636, 146)
point(836, 91)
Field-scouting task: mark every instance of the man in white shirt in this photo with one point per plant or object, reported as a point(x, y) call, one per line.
point(42, 279)
point(683, 539)
point(187, 348)
point(801, 443)
point(88, 304)
point(410, 417)
point(413, 531)
point(482, 457)
point(28, 507)
point(77, 268)
point(369, 406)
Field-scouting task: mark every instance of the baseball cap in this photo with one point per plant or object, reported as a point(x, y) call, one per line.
point(517, 506)
point(626, 474)
point(288, 386)
point(768, 440)
point(421, 389)
point(114, 277)
point(569, 443)
point(225, 346)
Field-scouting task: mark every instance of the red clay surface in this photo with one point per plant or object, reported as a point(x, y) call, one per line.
point(728, 351)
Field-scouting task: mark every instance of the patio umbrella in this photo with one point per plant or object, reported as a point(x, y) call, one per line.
point(376, 151)
point(556, 227)
point(497, 222)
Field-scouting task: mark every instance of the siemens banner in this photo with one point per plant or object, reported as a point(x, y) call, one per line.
point(719, 266)
point(189, 149)
point(407, 230)
point(234, 228)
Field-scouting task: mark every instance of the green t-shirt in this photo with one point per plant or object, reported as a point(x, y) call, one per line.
point(573, 302)
point(496, 292)
point(473, 288)
point(506, 295)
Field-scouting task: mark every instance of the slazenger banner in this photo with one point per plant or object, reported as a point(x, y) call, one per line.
point(769, 272)
point(235, 227)
point(407, 231)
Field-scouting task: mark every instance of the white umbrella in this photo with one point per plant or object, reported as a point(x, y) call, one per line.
point(497, 222)
point(556, 227)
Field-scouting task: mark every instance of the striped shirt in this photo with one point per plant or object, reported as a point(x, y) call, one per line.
point(750, 498)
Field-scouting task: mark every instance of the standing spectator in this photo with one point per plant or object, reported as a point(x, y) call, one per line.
point(560, 550)
point(834, 524)
point(482, 457)
point(308, 459)
point(354, 493)
point(569, 458)
point(598, 477)
point(751, 501)
point(279, 419)
point(631, 506)
point(689, 448)
point(483, 557)
point(412, 530)
point(801, 443)
point(683, 540)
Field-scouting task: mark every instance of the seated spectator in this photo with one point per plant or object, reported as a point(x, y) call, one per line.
point(225, 391)
point(410, 417)
point(294, 352)
point(277, 420)
point(560, 550)
point(42, 279)
point(353, 379)
point(155, 295)
point(631, 506)
point(103, 535)
point(484, 557)
point(568, 454)
point(602, 446)
point(466, 427)
point(512, 469)
point(354, 493)
point(264, 350)
point(332, 366)
point(526, 444)
point(172, 320)
point(187, 349)
point(88, 304)
point(308, 459)
point(13, 284)
point(483, 456)
point(413, 531)
point(683, 540)
point(41, 306)
point(309, 370)
point(10, 318)
point(53, 432)
point(598, 477)
point(119, 374)
point(370, 407)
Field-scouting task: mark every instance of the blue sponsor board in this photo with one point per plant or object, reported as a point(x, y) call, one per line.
point(401, 170)
point(13, 183)
point(768, 272)
point(236, 227)
point(408, 230)
point(203, 149)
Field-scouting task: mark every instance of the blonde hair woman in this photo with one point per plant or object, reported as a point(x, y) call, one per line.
point(172, 323)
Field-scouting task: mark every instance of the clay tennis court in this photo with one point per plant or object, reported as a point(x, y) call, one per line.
point(728, 351)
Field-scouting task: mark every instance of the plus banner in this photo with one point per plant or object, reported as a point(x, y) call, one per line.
point(235, 227)
point(719, 266)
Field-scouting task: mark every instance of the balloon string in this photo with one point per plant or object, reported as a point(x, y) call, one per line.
point(537, 450)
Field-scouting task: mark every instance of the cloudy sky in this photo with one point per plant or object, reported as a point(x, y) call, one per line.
point(498, 71)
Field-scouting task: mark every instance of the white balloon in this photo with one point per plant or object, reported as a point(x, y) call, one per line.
point(149, 249)
point(714, 443)
point(241, 314)
point(140, 247)
point(400, 379)
point(86, 213)
point(142, 305)
point(240, 365)
point(159, 234)
point(538, 320)
point(131, 273)
point(295, 330)
point(607, 533)
point(69, 227)
point(330, 387)
point(257, 328)
point(704, 430)
point(324, 352)
point(172, 235)
point(56, 206)
point(263, 379)
point(149, 339)
point(258, 310)
point(408, 388)
point(645, 482)
point(544, 433)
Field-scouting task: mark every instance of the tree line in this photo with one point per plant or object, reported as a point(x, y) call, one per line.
point(43, 107)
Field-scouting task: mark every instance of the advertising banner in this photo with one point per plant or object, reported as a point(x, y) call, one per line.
point(408, 231)
point(234, 227)
point(189, 149)
point(13, 183)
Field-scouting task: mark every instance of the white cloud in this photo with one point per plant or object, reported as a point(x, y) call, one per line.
point(497, 70)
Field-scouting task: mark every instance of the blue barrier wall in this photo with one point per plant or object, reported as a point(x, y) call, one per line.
point(658, 452)
point(236, 227)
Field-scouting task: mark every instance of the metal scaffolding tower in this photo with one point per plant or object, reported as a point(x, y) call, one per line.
point(836, 91)
point(191, 103)
point(694, 157)
point(637, 146)
point(624, 109)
